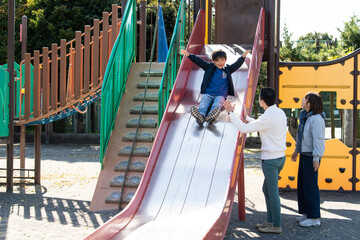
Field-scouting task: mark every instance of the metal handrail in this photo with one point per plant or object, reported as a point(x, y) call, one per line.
point(142, 107)
point(117, 70)
point(173, 60)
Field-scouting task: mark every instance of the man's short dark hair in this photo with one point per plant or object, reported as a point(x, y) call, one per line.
point(268, 95)
point(218, 54)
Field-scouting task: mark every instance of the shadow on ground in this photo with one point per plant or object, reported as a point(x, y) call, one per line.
point(36, 206)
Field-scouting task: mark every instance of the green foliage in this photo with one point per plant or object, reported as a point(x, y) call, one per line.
point(317, 47)
point(287, 51)
point(350, 35)
point(49, 21)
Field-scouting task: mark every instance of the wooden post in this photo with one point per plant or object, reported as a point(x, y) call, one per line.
point(54, 77)
point(36, 84)
point(62, 72)
point(105, 43)
point(114, 21)
point(87, 51)
point(77, 67)
point(95, 51)
point(23, 127)
point(37, 145)
point(10, 69)
point(142, 40)
point(45, 81)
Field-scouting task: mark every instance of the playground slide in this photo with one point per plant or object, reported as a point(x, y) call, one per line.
point(189, 183)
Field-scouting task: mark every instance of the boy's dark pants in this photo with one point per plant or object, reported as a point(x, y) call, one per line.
point(307, 188)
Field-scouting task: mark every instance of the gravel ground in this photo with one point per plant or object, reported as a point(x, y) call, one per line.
point(59, 208)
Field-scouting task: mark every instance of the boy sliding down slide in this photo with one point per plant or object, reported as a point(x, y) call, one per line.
point(217, 84)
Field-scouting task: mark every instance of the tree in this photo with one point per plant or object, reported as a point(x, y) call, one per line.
point(49, 21)
point(287, 51)
point(350, 35)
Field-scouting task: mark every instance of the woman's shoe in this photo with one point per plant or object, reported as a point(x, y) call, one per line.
point(310, 222)
point(301, 218)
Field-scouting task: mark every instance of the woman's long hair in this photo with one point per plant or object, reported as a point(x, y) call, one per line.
point(316, 102)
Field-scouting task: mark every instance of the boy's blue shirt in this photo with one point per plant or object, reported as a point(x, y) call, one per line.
point(218, 85)
point(210, 69)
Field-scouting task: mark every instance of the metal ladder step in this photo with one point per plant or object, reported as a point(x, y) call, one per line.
point(131, 181)
point(145, 136)
point(142, 151)
point(153, 73)
point(151, 84)
point(148, 109)
point(144, 123)
point(114, 197)
point(150, 96)
point(136, 165)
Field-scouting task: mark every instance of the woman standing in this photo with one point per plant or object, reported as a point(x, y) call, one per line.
point(310, 143)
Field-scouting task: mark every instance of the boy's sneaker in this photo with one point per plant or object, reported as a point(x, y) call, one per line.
point(271, 229)
point(310, 222)
point(196, 114)
point(212, 115)
point(301, 218)
point(263, 225)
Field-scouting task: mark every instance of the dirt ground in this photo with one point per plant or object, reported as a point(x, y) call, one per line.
point(59, 209)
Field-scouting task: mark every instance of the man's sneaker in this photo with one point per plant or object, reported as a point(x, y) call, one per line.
point(212, 115)
point(301, 218)
point(263, 225)
point(271, 229)
point(310, 222)
point(196, 114)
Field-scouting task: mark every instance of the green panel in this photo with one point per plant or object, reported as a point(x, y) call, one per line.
point(17, 88)
point(4, 102)
point(173, 60)
point(117, 70)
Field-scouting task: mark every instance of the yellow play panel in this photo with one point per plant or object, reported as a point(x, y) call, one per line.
point(296, 81)
point(334, 172)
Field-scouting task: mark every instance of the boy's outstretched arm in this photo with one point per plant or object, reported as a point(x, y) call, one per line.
point(198, 61)
point(236, 65)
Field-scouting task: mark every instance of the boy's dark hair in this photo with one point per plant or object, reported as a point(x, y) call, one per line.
point(218, 54)
point(316, 102)
point(268, 95)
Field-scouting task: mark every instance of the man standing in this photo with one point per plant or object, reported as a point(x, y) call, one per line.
point(272, 126)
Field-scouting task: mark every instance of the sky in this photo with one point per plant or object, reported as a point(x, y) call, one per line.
point(324, 16)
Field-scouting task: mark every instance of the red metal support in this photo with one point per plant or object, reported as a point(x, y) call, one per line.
point(241, 189)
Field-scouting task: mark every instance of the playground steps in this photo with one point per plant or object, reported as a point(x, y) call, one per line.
point(119, 167)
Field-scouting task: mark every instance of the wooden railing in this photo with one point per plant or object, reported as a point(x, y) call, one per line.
point(55, 80)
